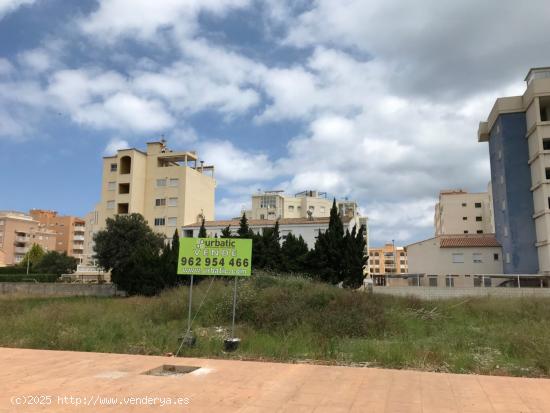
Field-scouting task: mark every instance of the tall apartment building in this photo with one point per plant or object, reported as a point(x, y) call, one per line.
point(275, 205)
point(18, 233)
point(461, 212)
point(69, 231)
point(518, 132)
point(170, 189)
point(387, 260)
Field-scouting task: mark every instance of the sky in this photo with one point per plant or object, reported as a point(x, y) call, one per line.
point(373, 100)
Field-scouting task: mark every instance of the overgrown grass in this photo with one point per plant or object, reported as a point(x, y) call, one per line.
point(294, 319)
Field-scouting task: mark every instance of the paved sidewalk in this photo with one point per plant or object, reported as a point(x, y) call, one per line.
point(235, 386)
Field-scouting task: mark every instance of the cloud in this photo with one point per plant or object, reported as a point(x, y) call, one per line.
point(114, 145)
point(36, 59)
point(143, 18)
point(9, 6)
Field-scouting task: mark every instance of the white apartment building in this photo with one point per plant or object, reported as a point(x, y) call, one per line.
point(461, 212)
point(308, 228)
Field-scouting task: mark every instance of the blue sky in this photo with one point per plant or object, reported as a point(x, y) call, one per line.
point(375, 100)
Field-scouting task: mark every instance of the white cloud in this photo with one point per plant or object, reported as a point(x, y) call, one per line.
point(36, 59)
point(8, 6)
point(114, 145)
point(5, 67)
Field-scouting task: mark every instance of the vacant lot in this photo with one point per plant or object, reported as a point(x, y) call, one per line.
point(294, 319)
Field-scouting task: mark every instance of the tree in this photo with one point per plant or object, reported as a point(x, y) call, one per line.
point(202, 230)
point(328, 257)
point(272, 258)
point(32, 257)
point(355, 258)
point(226, 232)
point(131, 250)
point(54, 262)
point(169, 262)
point(294, 253)
point(244, 230)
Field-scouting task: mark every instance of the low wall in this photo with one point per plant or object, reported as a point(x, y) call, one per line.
point(435, 293)
point(59, 289)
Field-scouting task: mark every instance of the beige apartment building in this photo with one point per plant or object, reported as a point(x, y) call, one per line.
point(69, 231)
point(461, 212)
point(386, 260)
point(275, 205)
point(169, 188)
point(18, 233)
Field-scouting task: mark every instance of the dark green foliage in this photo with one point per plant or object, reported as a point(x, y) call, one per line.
point(131, 250)
point(33, 256)
point(355, 258)
point(294, 253)
point(226, 232)
point(202, 230)
point(41, 278)
point(169, 261)
point(13, 269)
point(244, 230)
point(54, 262)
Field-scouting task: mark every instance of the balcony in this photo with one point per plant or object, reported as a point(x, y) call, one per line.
point(22, 239)
point(20, 250)
point(78, 238)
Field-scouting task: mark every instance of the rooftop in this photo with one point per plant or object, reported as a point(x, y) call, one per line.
point(265, 222)
point(468, 240)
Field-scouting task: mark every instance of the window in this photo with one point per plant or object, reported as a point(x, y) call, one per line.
point(160, 202)
point(478, 204)
point(123, 208)
point(268, 201)
point(479, 219)
point(262, 216)
point(432, 281)
point(322, 210)
point(502, 179)
point(173, 182)
point(503, 205)
point(376, 254)
point(546, 144)
point(110, 204)
point(172, 202)
point(465, 231)
point(477, 257)
point(159, 222)
point(111, 186)
point(458, 258)
point(508, 258)
point(449, 281)
point(479, 231)
point(114, 167)
point(172, 221)
point(464, 204)
point(125, 165)
point(291, 207)
point(505, 231)
point(124, 188)
point(547, 173)
point(161, 182)
point(548, 202)
point(495, 257)
point(499, 155)
point(464, 218)
point(487, 282)
point(544, 104)
point(402, 254)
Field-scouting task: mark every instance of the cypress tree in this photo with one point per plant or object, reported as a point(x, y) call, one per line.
point(244, 230)
point(294, 253)
point(226, 232)
point(202, 230)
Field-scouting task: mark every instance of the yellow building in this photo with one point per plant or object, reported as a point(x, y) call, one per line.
point(170, 189)
point(18, 233)
point(386, 260)
point(461, 212)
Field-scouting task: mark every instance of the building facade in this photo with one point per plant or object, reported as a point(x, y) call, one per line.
point(273, 205)
point(461, 212)
point(385, 260)
point(456, 260)
point(308, 228)
point(69, 231)
point(518, 133)
point(18, 233)
point(170, 189)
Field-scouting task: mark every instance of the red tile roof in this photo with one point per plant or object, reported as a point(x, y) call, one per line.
point(468, 240)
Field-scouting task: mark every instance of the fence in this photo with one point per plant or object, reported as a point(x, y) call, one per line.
point(435, 293)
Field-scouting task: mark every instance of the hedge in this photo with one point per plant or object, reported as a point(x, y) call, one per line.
point(43, 278)
point(13, 270)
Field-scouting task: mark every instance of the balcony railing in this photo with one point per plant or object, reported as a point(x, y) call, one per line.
point(78, 238)
point(20, 250)
point(21, 239)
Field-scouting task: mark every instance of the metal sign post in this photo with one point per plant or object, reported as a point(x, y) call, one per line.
point(234, 308)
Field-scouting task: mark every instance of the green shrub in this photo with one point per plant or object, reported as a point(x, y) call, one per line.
point(41, 278)
point(13, 270)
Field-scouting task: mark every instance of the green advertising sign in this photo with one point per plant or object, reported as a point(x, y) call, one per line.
point(215, 256)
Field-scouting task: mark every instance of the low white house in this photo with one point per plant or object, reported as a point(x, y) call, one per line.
point(452, 260)
point(308, 228)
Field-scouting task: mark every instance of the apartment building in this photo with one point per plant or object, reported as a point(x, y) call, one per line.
point(453, 261)
point(308, 228)
point(169, 188)
point(461, 212)
point(18, 233)
point(69, 231)
point(275, 205)
point(518, 133)
point(387, 260)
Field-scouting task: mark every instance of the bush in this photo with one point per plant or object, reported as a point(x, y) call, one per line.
point(13, 270)
point(17, 278)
